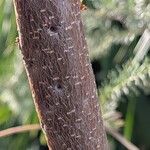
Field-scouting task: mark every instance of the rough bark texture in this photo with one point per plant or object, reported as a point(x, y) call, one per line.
point(59, 71)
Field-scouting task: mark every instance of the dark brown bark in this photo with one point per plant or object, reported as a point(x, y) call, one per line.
point(59, 71)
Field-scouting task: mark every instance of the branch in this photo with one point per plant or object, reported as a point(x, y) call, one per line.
point(19, 129)
point(56, 58)
point(120, 139)
point(24, 128)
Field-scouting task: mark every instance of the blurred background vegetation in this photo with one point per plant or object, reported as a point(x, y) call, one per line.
point(118, 37)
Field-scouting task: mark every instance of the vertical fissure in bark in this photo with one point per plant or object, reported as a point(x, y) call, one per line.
point(59, 71)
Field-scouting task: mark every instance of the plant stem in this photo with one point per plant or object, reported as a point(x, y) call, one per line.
point(57, 63)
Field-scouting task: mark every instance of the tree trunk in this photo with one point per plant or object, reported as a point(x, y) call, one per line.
point(59, 71)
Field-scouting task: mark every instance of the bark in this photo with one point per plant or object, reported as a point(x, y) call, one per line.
point(60, 75)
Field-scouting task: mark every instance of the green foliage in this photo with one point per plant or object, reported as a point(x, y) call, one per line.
point(123, 81)
point(118, 37)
